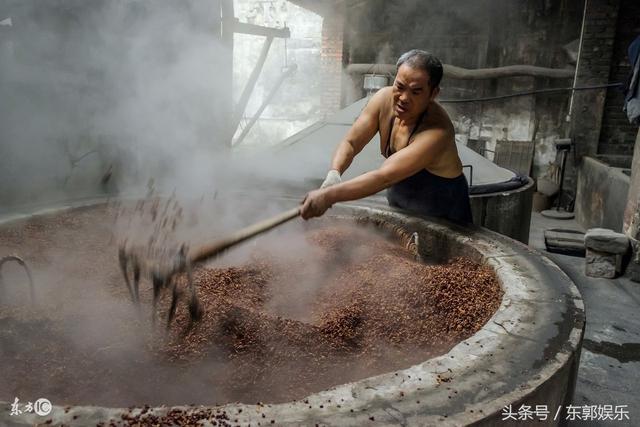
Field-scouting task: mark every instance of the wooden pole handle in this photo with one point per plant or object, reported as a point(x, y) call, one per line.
point(206, 252)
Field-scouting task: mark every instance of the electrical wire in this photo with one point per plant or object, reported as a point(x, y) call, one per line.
point(286, 64)
point(532, 92)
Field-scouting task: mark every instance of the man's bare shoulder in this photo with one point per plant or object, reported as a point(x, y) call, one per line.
point(381, 99)
point(439, 118)
point(437, 127)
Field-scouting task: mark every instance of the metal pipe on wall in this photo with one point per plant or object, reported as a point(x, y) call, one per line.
point(451, 71)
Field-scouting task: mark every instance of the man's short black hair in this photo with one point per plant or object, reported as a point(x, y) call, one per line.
point(423, 60)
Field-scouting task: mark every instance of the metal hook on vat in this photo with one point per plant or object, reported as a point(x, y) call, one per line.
point(413, 246)
point(27, 270)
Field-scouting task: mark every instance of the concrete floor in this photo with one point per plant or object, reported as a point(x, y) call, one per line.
point(609, 371)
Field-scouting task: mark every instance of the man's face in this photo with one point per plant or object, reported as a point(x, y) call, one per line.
point(412, 92)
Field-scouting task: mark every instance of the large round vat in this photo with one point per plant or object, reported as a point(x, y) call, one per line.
point(526, 354)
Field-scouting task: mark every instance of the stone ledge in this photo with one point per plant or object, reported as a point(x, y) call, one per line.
point(605, 240)
point(600, 264)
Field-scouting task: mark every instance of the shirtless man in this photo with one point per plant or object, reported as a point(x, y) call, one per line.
point(422, 170)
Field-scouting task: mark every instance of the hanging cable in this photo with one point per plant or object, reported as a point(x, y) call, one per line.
point(532, 92)
point(285, 48)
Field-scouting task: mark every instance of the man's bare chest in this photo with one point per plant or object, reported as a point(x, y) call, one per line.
point(395, 136)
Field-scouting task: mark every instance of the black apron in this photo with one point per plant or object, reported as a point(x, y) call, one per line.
point(429, 194)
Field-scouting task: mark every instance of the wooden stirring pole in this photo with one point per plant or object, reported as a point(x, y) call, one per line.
point(206, 252)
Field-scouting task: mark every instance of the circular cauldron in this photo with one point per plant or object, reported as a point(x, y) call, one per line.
point(527, 353)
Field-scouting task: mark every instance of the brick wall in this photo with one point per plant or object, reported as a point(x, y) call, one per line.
point(331, 62)
point(593, 69)
point(618, 135)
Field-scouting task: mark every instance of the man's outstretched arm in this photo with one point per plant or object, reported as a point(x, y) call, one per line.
point(406, 162)
point(360, 133)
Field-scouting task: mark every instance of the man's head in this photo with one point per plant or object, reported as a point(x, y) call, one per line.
point(416, 84)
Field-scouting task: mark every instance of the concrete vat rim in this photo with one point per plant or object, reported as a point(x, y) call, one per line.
point(512, 357)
